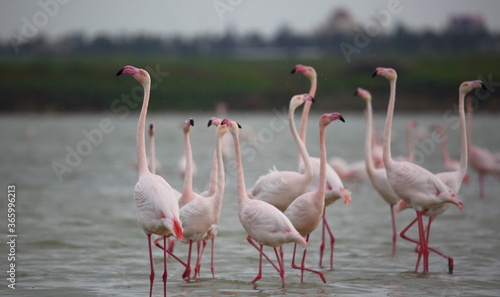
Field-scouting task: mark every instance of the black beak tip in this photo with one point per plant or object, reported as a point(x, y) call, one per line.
point(239, 126)
point(341, 118)
point(312, 100)
point(119, 72)
point(209, 123)
point(374, 73)
point(191, 122)
point(356, 93)
point(483, 86)
point(293, 71)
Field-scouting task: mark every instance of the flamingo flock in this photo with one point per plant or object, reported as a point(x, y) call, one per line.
point(287, 206)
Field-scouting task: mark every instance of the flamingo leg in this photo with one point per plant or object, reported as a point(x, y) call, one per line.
point(332, 240)
point(250, 240)
point(279, 257)
point(302, 266)
point(394, 232)
point(423, 242)
point(172, 255)
point(152, 274)
point(450, 259)
point(203, 244)
point(212, 268)
point(259, 274)
point(164, 277)
point(322, 245)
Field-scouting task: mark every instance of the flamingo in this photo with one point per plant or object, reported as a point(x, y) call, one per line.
point(335, 188)
point(481, 159)
point(156, 204)
point(377, 176)
point(449, 163)
point(306, 211)
point(262, 221)
point(280, 188)
point(198, 213)
point(411, 182)
point(451, 178)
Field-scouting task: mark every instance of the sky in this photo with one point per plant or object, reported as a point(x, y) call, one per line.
point(54, 18)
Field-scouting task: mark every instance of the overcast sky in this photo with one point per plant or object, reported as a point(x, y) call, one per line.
point(192, 18)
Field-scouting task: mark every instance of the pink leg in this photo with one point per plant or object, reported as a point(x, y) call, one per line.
point(187, 273)
point(152, 274)
point(332, 241)
point(394, 236)
point(250, 240)
point(279, 257)
point(212, 268)
point(171, 244)
point(171, 255)
point(164, 277)
point(423, 242)
point(322, 245)
point(259, 274)
point(450, 259)
point(302, 266)
point(203, 244)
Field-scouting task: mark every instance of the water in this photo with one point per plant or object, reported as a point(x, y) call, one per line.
point(79, 236)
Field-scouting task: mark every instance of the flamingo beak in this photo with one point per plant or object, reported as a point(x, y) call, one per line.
point(374, 73)
point(293, 71)
point(341, 118)
point(191, 122)
point(120, 72)
point(209, 123)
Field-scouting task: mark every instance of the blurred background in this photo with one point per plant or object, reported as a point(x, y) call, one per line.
point(61, 56)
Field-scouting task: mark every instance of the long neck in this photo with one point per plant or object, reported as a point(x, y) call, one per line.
point(322, 165)
point(469, 124)
point(388, 161)
point(219, 182)
point(188, 174)
point(307, 108)
point(463, 138)
point(409, 143)
point(142, 163)
point(240, 179)
point(300, 144)
point(152, 153)
point(213, 174)
point(370, 166)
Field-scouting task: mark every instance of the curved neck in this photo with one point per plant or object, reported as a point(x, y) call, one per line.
point(213, 174)
point(302, 148)
point(463, 137)
point(305, 111)
point(188, 174)
point(388, 162)
point(142, 163)
point(322, 165)
point(468, 123)
point(152, 153)
point(370, 167)
point(409, 143)
point(240, 178)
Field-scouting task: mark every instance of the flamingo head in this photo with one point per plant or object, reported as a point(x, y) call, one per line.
point(141, 75)
point(233, 126)
point(308, 71)
point(468, 86)
point(366, 95)
point(214, 121)
point(389, 73)
point(187, 125)
point(151, 130)
point(222, 129)
point(298, 100)
point(327, 118)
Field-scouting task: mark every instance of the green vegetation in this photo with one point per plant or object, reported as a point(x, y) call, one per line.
point(88, 82)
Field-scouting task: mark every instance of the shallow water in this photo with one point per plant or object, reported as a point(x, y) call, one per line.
point(78, 236)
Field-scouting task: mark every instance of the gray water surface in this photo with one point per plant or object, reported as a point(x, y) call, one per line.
point(78, 234)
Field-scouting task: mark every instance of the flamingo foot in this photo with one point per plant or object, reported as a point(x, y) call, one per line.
point(450, 265)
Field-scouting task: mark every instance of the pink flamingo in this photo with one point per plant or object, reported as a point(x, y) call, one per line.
point(452, 179)
point(449, 163)
point(280, 188)
point(377, 176)
point(306, 211)
point(481, 159)
point(156, 205)
point(412, 183)
point(262, 221)
point(335, 188)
